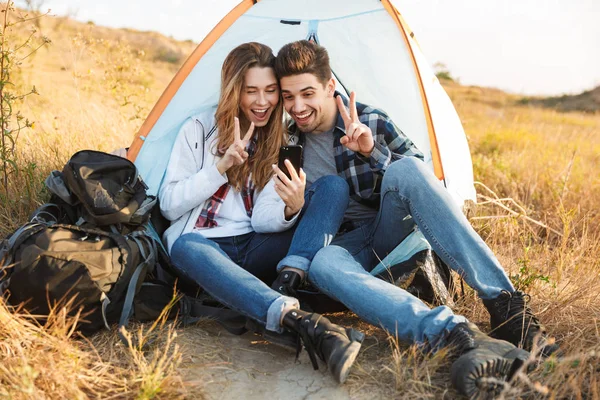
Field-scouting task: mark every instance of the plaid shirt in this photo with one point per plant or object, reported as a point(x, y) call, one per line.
point(364, 174)
point(207, 216)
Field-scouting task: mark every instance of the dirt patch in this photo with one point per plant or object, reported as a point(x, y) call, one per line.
point(246, 367)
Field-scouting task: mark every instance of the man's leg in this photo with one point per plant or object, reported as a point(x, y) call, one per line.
point(410, 192)
point(480, 362)
point(335, 272)
point(325, 204)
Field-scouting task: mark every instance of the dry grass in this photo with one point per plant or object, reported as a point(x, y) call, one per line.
point(94, 85)
point(97, 84)
point(53, 362)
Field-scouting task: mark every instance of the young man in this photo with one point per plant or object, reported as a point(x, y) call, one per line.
point(391, 191)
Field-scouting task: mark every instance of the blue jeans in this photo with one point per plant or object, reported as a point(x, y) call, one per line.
point(231, 268)
point(410, 195)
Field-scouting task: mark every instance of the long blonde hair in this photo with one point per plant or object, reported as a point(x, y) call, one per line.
point(268, 138)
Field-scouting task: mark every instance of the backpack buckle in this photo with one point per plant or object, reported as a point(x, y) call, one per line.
point(105, 302)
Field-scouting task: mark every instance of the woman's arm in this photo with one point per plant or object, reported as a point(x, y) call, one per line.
point(186, 185)
point(268, 213)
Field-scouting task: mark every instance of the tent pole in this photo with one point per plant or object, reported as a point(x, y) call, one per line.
point(435, 151)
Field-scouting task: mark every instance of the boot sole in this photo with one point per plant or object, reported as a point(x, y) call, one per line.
point(341, 362)
point(482, 374)
point(282, 341)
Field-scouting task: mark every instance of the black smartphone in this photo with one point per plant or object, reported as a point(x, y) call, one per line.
point(293, 153)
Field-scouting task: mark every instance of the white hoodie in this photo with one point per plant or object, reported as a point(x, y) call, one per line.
point(192, 178)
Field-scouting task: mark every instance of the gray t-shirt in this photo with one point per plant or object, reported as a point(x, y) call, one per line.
point(319, 160)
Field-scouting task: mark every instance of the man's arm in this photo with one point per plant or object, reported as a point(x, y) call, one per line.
point(390, 143)
point(373, 136)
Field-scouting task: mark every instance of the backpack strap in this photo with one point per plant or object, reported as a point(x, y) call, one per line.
point(138, 237)
point(48, 213)
point(127, 306)
point(193, 310)
point(16, 239)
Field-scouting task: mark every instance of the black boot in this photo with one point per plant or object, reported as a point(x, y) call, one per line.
point(333, 344)
point(512, 320)
point(286, 339)
point(483, 364)
point(287, 283)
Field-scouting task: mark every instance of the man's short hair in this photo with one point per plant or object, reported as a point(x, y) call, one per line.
point(303, 57)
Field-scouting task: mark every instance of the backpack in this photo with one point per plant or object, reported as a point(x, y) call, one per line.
point(104, 189)
point(93, 247)
point(98, 270)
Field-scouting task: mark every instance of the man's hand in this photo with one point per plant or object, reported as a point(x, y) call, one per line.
point(236, 154)
point(291, 191)
point(359, 137)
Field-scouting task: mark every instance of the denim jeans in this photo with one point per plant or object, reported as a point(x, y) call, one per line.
point(231, 268)
point(410, 195)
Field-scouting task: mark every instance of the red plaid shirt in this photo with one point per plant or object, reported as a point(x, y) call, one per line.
point(213, 205)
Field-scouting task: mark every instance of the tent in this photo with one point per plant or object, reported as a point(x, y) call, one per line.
point(372, 52)
point(391, 74)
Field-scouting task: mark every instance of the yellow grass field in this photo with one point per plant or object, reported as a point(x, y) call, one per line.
point(538, 185)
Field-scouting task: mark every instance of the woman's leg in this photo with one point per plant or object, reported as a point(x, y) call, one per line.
point(204, 261)
point(207, 264)
point(261, 252)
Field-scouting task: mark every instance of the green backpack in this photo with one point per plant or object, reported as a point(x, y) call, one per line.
point(99, 271)
point(93, 247)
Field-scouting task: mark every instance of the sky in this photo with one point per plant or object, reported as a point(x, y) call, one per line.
point(530, 47)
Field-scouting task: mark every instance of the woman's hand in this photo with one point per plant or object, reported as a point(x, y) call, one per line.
point(236, 154)
point(291, 190)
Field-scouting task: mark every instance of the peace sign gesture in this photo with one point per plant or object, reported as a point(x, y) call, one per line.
point(236, 154)
point(359, 137)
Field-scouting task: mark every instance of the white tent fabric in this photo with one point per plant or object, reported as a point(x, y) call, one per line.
point(368, 55)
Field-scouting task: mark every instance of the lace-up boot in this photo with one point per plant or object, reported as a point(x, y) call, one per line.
point(512, 320)
point(287, 283)
point(483, 364)
point(333, 344)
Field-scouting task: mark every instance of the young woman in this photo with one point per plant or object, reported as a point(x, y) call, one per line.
point(234, 214)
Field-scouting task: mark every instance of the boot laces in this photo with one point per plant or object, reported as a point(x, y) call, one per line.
point(304, 338)
point(460, 340)
point(516, 305)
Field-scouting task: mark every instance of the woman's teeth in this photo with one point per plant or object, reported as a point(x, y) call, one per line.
point(260, 113)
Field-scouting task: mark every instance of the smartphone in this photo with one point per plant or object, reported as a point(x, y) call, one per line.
point(293, 153)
